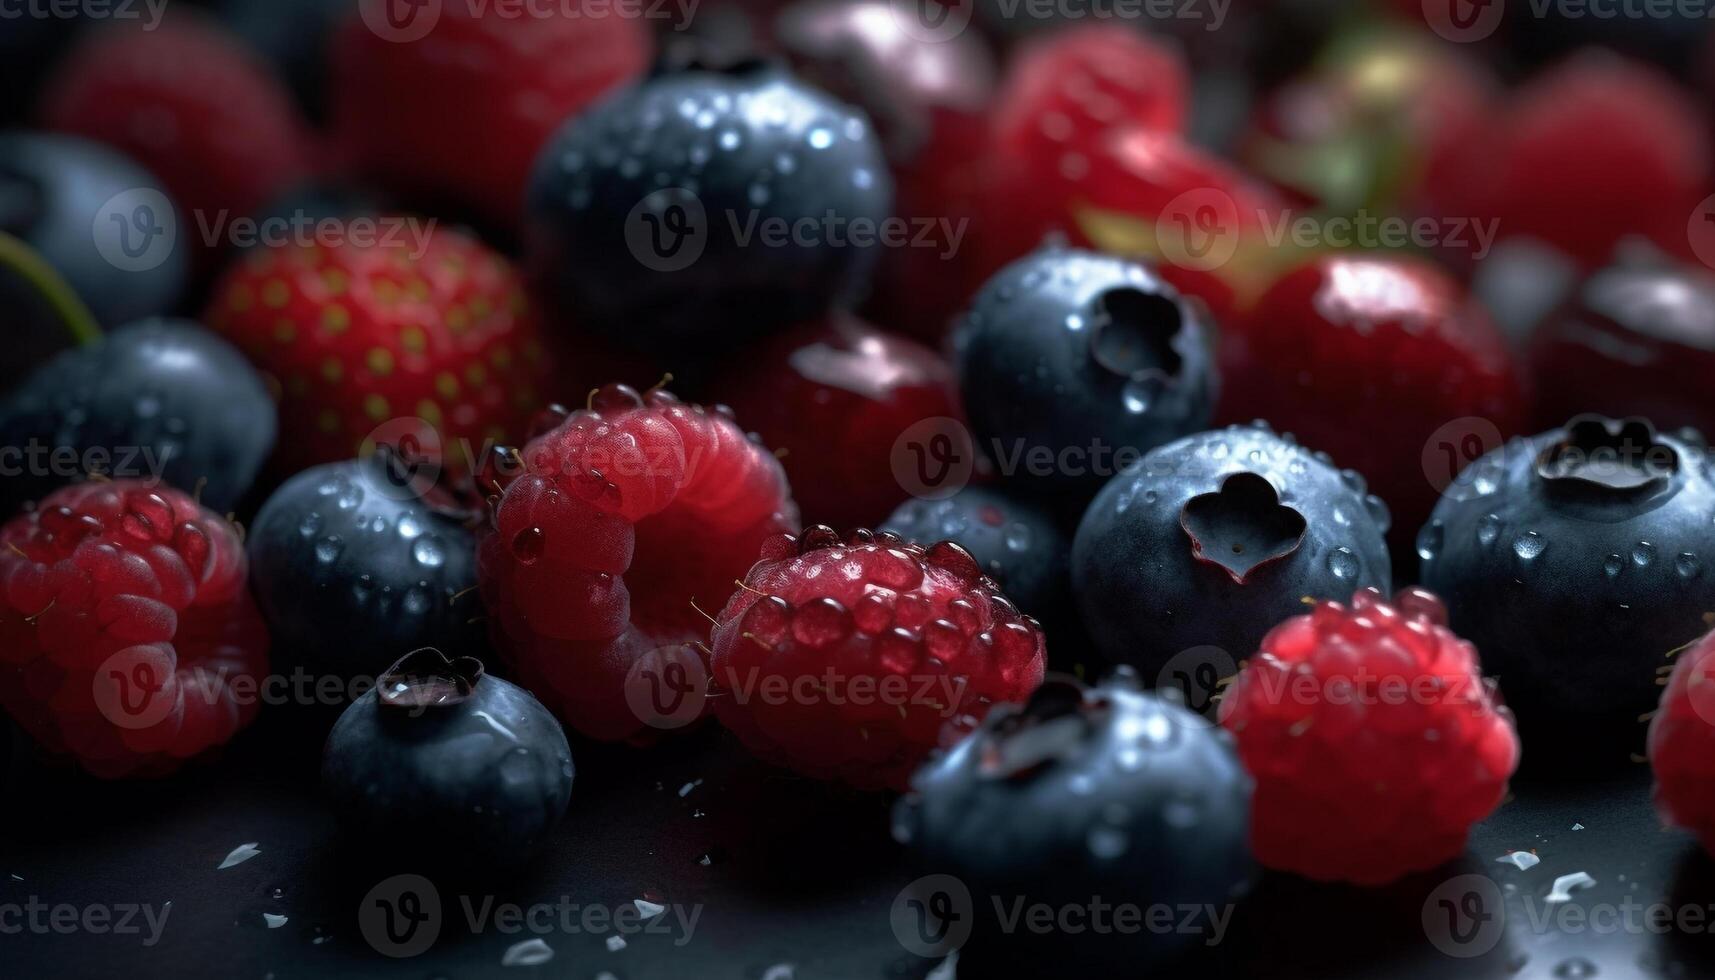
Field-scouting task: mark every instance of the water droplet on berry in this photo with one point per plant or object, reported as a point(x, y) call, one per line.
point(1017, 537)
point(1429, 540)
point(1687, 565)
point(1577, 968)
point(1612, 565)
point(1488, 529)
point(328, 549)
point(1342, 563)
point(428, 552)
point(527, 544)
point(1139, 395)
point(1528, 545)
point(1643, 554)
point(1108, 843)
point(311, 525)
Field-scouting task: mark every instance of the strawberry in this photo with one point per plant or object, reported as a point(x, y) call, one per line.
point(194, 106)
point(459, 114)
point(439, 336)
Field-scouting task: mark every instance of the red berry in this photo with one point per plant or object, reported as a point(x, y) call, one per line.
point(1682, 743)
point(625, 516)
point(127, 633)
point(847, 659)
point(1366, 358)
point(194, 106)
point(1065, 91)
point(1373, 739)
point(460, 114)
point(1540, 172)
point(357, 335)
point(836, 396)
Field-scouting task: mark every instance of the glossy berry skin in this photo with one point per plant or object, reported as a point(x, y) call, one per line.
point(52, 190)
point(191, 103)
point(441, 763)
point(1015, 541)
point(616, 520)
point(128, 639)
point(847, 658)
point(1215, 538)
point(745, 153)
point(929, 100)
point(1540, 175)
point(355, 566)
point(443, 344)
point(1635, 338)
point(1073, 364)
point(1575, 560)
point(1366, 357)
point(160, 399)
point(1079, 792)
point(835, 397)
point(1373, 738)
point(1681, 737)
point(459, 115)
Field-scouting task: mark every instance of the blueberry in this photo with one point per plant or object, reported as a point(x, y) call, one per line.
point(703, 207)
point(1214, 539)
point(353, 568)
point(1074, 364)
point(1017, 543)
point(1577, 561)
point(444, 764)
point(1082, 794)
point(157, 399)
point(55, 193)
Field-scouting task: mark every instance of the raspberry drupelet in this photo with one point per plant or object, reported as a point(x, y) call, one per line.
point(127, 631)
point(1374, 742)
point(852, 658)
point(1682, 744)
point(624, 517)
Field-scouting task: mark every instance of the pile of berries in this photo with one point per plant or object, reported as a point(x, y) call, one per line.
point(1088, 330)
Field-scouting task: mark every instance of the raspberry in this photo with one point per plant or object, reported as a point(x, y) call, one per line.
point(125, 626)
point(1682, 744)
point(625, 514)
point(1373, 741)
point(845, 658)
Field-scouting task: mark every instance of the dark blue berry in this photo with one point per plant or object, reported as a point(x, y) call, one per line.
point(1081, 794)
point(1578, 561)
point(443, 768)
point(1016, 542)
point(1074, 364)
point(703, 207)
point(353, 568)
point(160, 399)
point(60, 194)
point(1214, 539)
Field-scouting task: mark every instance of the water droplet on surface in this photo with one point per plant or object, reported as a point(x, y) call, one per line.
point(311, 525)
point(1108, 842)
point(1017, 537)
point(1488, 529)
point(527, 544)
point(1687, 565)
point(1643, 554)
point(1342, 563)
point(428, 552)
point(328, 549)
point(1576, 968)
point(1528, 545)
point(1612, 565)
point(1429, 540)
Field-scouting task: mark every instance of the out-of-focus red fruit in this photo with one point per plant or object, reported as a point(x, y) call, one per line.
point(459, 114)
point(1584, 155)
point(194, 106)
point(1636, 338)
point(1379, 118)
point(1371, 358)
point(834, 397)
point(929, 101)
